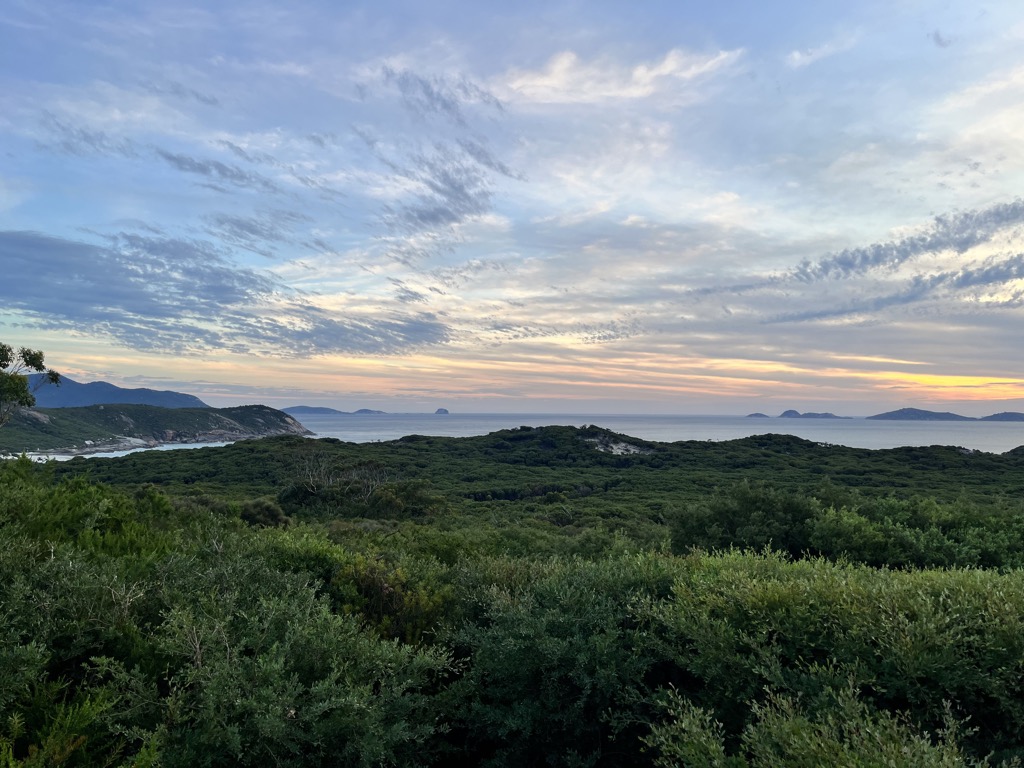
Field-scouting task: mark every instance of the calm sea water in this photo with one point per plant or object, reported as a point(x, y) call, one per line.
point(990, 436)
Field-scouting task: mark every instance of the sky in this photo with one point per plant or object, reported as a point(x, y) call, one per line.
point(532, 207)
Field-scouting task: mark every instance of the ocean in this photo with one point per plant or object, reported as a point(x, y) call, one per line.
point(989, 436)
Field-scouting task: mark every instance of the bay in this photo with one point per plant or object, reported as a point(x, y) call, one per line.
point(988, 436)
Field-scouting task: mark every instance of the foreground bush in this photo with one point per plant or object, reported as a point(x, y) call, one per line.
point(138, 629)
point(188, 648)
point(844, 733)
point(923, 643)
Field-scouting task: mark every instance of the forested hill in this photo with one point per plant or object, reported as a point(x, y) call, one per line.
point(115, 427)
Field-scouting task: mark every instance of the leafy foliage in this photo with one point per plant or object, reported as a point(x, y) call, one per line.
point(15, 391)
point(845, 733)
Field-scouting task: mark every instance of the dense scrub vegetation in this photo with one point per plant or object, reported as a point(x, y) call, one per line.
point(516, 600)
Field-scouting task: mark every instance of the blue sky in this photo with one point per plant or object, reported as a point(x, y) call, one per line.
point(557, 207)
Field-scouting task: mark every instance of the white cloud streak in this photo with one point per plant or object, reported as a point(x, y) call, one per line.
point(567, 79)
point(798, 59)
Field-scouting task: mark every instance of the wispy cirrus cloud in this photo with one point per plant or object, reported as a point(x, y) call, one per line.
point(179, 91)
point(62, 135)
point(449, 186)
point(432, 95)
point(436, 181)
point(216, 171)
point(261, 234)
point(254, 156)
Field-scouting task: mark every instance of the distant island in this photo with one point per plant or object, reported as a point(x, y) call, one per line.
point(791, 414)
point(917, 414)
point(316, 410)
point(441, 412)
point(903, 414)
point(1004, 416)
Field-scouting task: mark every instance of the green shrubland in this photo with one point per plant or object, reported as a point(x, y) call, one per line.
point(517, 600)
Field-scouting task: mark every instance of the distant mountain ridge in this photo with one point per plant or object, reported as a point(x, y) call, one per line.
point(74, 394)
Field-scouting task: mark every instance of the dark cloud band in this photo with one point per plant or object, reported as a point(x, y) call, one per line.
point(179, 296)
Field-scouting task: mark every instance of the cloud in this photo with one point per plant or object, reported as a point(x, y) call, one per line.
point(450, 187)
point(454, 277)
point(250, 156)
point(808, 56)
point(287, 68)
point(484, 157)
point(180, 296)
point(179, 91)
point(504, 327)
point(569, 80)
point(999, 89)
point(438, 180)
point(613, 330)
point(258, 234)
point(322, 140)
point(77, 140)
point(956, 232)
point(298, 172)
point(405, 294)
point(216, 171)
point(944, 285)
point(939, 40)
point(438, 95)
point(11, 195)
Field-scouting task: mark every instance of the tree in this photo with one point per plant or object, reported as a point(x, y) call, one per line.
point(15, 389)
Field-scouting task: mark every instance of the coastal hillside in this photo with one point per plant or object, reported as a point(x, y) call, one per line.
point(116, 427)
